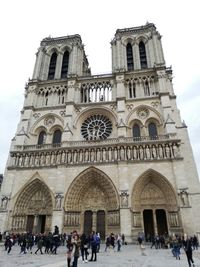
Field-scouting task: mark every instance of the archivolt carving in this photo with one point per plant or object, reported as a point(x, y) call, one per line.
point(92, 189)
point(152, 195)
point(34, 199)
point(152, 188)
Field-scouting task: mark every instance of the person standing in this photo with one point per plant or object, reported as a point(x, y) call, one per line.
point(84, 247)
point(69, 251)
point(187, 244)
point(76, 248)
point(93, 244)
point(98, 240)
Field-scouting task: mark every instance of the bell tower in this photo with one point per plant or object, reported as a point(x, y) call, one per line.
point(59, 58)
point(137, 48)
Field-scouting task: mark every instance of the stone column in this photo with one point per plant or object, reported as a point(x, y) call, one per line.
point(58, 66)
point(94, 221)
point(155, 223)
point(36, 72)
point(125, 215)
point(45, 68)
point(35, 224)
point(136, 57)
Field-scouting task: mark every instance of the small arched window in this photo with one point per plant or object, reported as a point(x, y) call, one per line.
point(65, 62)
point(46, 98)
point(129, 56)
point(136, 130)
point(143, 58)
point(152, 130)
point(52, 66)
point(42, 138)
point(57, 137)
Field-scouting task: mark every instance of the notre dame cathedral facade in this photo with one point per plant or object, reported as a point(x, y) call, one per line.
point(108, 152)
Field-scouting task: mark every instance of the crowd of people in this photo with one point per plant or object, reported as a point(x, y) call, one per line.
point(87, 246)
point(84, 246)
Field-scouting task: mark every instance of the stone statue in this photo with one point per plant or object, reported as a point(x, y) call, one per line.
point(148, 154)
point(4, 202)
point(184, 198)
point(58, 200)
point(124, 199)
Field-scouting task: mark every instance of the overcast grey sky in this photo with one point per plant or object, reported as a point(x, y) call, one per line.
point(24, 23)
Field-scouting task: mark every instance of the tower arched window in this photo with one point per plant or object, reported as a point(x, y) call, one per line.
point(42, 138)
point(136, 130)
point(46, 98)
point(65, 63)
point(52, 66)
point(57, 137)
point(143, 58)
point(152, 130)
point(132, 89)
point(129, 56)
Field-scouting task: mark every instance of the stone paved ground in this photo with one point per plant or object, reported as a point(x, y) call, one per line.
point(130, 256)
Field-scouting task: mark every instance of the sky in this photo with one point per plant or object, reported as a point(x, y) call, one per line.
point(24, 23)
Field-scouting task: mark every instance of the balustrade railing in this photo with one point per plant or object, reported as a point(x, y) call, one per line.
point(119, 140)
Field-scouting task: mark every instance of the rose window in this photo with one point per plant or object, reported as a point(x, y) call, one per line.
point(96, 127)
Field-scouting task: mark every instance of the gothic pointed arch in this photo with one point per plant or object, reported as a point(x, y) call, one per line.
point(34, 200)
point(136, 129)
point(65, 63)
point(153, 189)
point(47, 123)
point(42, 137)
point(92, 189)
point(143, 57)
point(57, 136)
point(52, 66)
point(129, 57)
point(144, 112)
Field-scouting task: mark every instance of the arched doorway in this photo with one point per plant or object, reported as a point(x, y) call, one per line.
point(33, 208)
point(101, 223)
point(161, 220)
point(87, 222)
point(153, 203)
point(148, 223)
point(93, 199)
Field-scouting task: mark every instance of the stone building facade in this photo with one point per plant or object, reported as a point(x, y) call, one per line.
point(101, 152)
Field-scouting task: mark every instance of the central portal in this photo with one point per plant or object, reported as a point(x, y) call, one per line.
point(94, 221)
point(93, 196)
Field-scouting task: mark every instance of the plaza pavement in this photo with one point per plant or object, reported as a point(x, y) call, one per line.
point(129, 256)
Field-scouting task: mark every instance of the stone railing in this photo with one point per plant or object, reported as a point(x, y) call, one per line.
point(89, 143)
point(96, 152)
